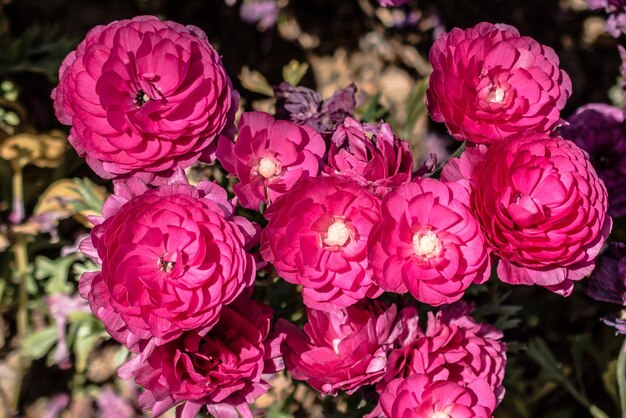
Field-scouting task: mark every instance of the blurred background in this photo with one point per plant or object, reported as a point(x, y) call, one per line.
point(56, 360)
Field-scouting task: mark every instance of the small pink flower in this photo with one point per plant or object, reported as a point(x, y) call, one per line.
point(542, 208)
point(317, 237)
point(454, 348)
point(61, 307)
point(419, 397)
point(428, 243)
point(269, 157)
point(224, 370)
point(144, 96)
point(344, 349)
point(489, 83)
point(170, 259)
point(370, 155)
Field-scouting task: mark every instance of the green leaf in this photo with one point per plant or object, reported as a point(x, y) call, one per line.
point(415, 107)
point(372, 110)
point(294, 71)
point(541, 354)
point(57, 273)
point(39, 343)
point(88, 333)
point(254, 81)
point(609, 378)
point(120, 357)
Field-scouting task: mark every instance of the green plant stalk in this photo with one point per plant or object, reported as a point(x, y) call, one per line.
point(621, 378)
point(20, 253)
point(21, 263)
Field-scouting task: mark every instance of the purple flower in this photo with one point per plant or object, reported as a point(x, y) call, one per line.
point(112, 405)
point(616, 24)
point(60, 307)
point(263, 12)
point(304, 106)
point(608, 281)
point(599, 129)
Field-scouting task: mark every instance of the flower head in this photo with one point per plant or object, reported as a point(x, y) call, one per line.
point(418, 396)
point(224, 370)
point(144, 96)
point(269, 157)
point(344, 349)
point(599, 129)
point(489, 83)
point(317, 237)
point(454, 348)
point(543, 210)
point(371, 155)
point(608, 281)
point(304, 106)
point(428, 242)
point(170, 259)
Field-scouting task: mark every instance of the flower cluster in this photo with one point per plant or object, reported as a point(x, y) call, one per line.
point(541, 205)
point(456, 363)
point(347, 220)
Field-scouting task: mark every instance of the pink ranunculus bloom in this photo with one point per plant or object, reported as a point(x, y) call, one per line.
point(269, 157)
point(428, 242)
point(144, 96)
point(170, 259)
point(224, 370)
point(418, 396)
point(543, 210)
point(371, 155)
point(317, 237)
point(489, 83)
point(343, 349)
point(454, 348)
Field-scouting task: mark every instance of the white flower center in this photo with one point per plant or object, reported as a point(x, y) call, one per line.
point(267, 167)
point(497, 96)
point(336, 342)
point(338, 234)
point(426, 244)
point(440, 415)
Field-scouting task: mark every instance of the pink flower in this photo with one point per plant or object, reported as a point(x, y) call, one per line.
point(344, 349)
point(317, 237)
point(454, 348)
point(370, 155)
point(542, 209)
point(269, 157)
point(170, 259)
point(144, 96)
point(428, 242)
point(419, 397)
point(61, 307)
point(489, 83)
point(224, 370)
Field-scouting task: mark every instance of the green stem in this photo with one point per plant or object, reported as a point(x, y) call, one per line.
point(621, 378)
point(21, 263)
